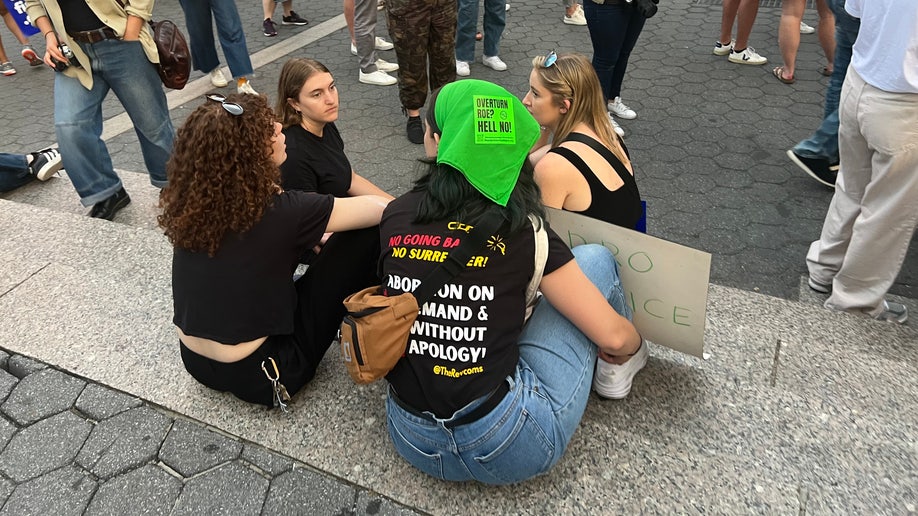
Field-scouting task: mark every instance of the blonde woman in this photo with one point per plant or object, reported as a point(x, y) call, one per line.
point(581, 165)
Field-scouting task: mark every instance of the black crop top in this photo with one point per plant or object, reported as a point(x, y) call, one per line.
point(621, 207)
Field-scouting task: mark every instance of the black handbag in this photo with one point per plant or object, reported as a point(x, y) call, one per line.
point(647, 8)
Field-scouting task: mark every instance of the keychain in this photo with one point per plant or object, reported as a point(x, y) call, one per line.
point(281, 397)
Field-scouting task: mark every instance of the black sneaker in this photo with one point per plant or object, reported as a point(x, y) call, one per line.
point(415, 130)
point(819, 169)
point(45, 163)
point(269, 27)
point(293, 19)
point(109, 207)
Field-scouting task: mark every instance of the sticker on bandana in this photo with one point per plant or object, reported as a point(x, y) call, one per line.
point(494, 120)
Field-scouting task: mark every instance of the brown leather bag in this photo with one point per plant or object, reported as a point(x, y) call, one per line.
point(174, 57)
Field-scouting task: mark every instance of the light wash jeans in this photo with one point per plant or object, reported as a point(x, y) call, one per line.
point(14, 171)
point(120, 66)
point(527, 433)
point(199, 21)
point(495, 19)
point(824, 142)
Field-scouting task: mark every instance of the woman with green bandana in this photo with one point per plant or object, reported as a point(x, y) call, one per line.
point(482, 393)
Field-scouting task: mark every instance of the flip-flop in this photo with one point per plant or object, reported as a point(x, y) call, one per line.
point(825, 71)
point(778, 72)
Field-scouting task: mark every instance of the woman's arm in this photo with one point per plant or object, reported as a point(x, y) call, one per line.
point(363, 186)
point(356, 212)
point(578, 299)
point(550, 176)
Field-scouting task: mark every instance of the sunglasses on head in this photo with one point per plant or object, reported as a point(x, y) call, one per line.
point(550, 59)
point(230, 107)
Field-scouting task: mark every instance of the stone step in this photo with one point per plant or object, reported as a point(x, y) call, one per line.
point(792, 400)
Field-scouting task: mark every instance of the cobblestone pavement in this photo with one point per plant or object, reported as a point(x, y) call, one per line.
point(75, 447)
point(708, 143)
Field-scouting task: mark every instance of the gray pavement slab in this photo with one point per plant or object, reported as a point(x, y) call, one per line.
point(41, 394)
point(148, 490)
point(190, 449)
point(123, 442)
point(44, 446)
point(65, 491)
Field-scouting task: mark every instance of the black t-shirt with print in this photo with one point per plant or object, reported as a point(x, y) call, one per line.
point(316, 163)
point(245, 291)
point(464, 342)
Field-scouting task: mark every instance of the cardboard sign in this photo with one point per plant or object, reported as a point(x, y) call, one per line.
point(666, 284)
point(18, 10)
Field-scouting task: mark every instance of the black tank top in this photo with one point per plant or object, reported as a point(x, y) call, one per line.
point(621, 207)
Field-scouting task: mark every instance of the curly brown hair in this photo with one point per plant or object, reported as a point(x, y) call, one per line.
point(221, 174)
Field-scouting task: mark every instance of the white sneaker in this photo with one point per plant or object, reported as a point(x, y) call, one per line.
point(386, 66)
point(381, 44)
point(806, 29)
point(575, 19)
point(245, 87)
point(615, 127)
point(614, 381)
point(748, 56)
point(462, 68)
point(494, 62)
point(377, 78)
point(721, 50)
point(619, 109)
point(217, 78)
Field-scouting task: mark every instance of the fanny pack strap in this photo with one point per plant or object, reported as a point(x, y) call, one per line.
point(490, 221)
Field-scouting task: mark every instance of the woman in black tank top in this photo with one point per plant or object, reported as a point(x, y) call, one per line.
point(581, 165)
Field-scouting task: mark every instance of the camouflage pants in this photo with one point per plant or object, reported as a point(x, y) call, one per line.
point(422, 30)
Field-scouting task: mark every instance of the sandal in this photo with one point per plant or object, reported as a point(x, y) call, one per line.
point(778, 72)
point(825, 71)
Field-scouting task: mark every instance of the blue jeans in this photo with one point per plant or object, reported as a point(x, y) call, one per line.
point(824, 142)
point(229, 30)
point(495, 18)
point(614, 30)
point(14, 171)
point(120, 66)
point(527, 433)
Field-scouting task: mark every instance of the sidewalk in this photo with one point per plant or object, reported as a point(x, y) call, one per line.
point(797, 409)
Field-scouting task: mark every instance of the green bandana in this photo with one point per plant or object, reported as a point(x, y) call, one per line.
point(486, 133)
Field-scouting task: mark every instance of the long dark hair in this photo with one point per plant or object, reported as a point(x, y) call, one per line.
point(448, 194)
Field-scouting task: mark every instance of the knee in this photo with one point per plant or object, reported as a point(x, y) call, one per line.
point(596, 261)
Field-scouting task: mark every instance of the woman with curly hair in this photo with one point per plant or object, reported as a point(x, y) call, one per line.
point(586, 168)
point(244, 326)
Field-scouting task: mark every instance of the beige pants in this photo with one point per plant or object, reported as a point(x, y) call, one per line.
point(874, 212)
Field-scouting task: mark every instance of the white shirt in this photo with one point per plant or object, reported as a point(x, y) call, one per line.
point(886, 50)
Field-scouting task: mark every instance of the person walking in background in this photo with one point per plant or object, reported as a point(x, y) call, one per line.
point(818, 154)
point(495, 19)
point(200, 15)
point(873, 213)
point(743, 12)
point(361, 17)
point(614, 30)
point(28, 53)
point(18, 169)
point(789, 37)
point(289, 17)
point(117, 55)
point(424, 35)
